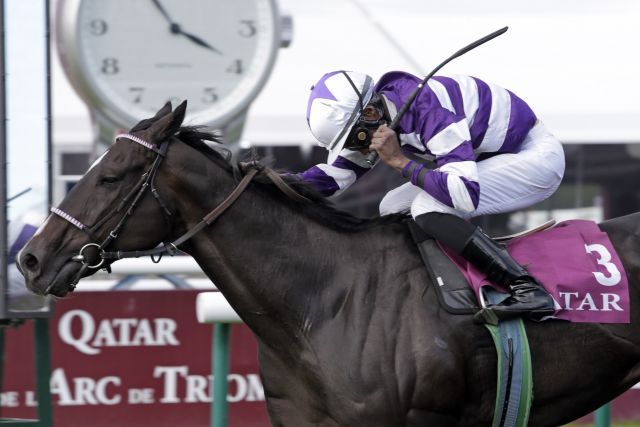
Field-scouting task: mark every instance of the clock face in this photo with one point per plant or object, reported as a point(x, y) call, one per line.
point(131, 56)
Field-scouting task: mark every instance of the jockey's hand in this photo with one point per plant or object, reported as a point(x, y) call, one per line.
point(385, 142)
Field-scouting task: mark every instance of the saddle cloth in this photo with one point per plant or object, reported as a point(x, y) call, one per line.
point(575, 261)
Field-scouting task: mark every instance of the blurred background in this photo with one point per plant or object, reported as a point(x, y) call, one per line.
point(572, 61)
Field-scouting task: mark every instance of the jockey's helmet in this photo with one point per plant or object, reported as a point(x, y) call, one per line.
point(335, 104)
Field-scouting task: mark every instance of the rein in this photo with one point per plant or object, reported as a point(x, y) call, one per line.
point(133, 197)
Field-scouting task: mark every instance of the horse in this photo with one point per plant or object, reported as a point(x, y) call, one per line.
point(348, 324)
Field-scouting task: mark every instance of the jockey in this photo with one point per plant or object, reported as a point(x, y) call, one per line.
point(491, 153)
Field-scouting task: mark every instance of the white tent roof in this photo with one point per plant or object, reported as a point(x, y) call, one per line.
point(574, 61)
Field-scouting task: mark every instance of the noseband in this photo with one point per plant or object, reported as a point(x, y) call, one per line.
point(130, 201)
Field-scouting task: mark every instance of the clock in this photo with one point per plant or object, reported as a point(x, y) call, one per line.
point(126, 58)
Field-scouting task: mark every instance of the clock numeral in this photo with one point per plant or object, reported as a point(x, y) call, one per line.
point(110, 66)
point(210, 95)
point(236, 67)
point(98, 27)
point(137, 93)
point(248, 28)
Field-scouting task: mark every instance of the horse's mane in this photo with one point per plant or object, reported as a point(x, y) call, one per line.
point(321, 208)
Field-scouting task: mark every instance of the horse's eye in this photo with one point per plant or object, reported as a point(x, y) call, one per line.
point(106, 180)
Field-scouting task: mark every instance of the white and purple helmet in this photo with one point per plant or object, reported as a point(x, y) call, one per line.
point(335, 104)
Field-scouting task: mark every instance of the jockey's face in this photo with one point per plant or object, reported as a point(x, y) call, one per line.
point(371, 113)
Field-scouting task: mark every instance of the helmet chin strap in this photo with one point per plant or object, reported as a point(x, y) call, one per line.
point(355, 88)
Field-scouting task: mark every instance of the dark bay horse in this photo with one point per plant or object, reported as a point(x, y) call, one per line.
point(349, 328)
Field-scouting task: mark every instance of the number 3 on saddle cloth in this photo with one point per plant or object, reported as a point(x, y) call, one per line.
point(574, 260)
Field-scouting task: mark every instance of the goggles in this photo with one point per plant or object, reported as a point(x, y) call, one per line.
point(362, 131)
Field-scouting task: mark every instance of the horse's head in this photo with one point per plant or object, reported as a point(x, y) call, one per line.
point(114, 207)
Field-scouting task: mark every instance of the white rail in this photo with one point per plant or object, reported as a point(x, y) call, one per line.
point(143, 274)
point(212, 307)
point(167, 265)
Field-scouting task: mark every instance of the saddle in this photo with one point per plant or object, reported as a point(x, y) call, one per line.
point(453, 291)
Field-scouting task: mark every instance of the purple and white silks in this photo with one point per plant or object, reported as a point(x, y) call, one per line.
point(458, 119)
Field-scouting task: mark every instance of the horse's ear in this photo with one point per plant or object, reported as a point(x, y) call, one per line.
point(169, 124)
point(146, 123)
point(180, 111)
point(166, 109)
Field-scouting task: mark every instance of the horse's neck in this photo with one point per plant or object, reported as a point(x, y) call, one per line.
point(273, 264)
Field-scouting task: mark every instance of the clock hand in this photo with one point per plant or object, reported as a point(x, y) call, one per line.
point(175, 28)
point(162, 10)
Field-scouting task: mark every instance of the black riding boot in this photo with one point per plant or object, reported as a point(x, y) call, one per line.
point(528, 299)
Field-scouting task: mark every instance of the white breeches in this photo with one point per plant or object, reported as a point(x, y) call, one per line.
point(508, 182)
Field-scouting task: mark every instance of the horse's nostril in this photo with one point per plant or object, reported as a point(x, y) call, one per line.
point(29, 261)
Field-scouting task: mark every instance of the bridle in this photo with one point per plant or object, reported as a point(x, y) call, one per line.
point(127, 206)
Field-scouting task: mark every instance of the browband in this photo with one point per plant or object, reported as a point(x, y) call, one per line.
point(140, 141)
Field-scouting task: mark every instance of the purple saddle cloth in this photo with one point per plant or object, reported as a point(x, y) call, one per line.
point(576, 262)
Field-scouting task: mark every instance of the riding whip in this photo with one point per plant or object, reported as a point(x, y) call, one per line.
point(373, 157)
